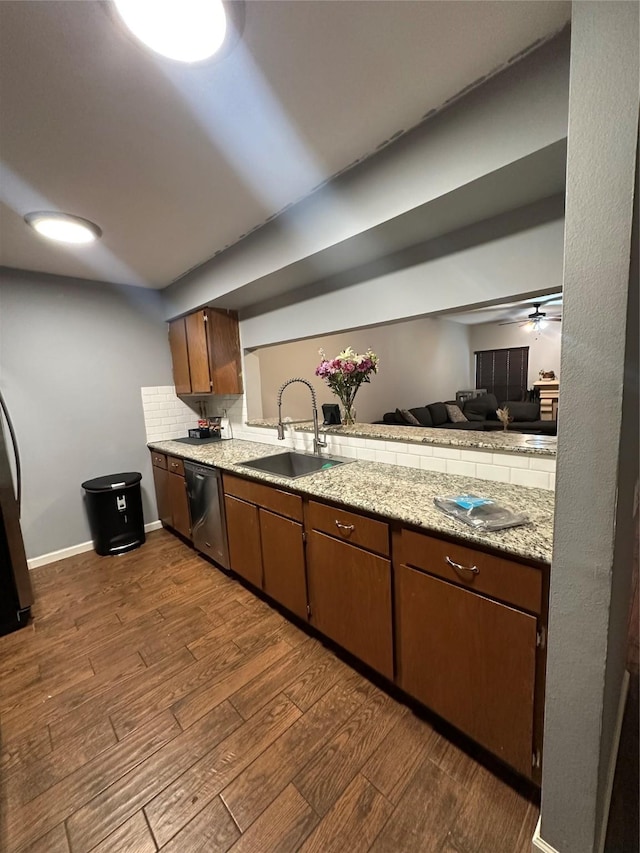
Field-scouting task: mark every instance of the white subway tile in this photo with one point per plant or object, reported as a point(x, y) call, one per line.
point(498, 473)
point(431, 463)
point(408, 460)
point(537, 479)
point(511, 460)
point(385, 456)
point(552, 481)
point(463, 469)
point(446, 452)
point(366, 453)
point(419, 449)
point(543, 463)
point(482, 456)
point(374, 444)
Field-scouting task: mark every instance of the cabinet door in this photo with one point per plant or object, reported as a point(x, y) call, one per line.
point(283, 562)
point(179, 356)
point(243, 530)
point(350, 598)
point(469, 659)
point(198, 353)
point(179, 504)
point(225, 364)
point(161, 482)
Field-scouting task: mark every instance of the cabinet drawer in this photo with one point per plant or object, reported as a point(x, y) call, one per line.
point(175, 465)
point(497, 577)
point(269, 497)
point(349, 526)
point(159, 460)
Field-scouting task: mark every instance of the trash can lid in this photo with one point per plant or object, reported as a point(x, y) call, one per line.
point(112, 481)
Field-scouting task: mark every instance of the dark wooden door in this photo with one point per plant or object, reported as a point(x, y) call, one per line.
point(243, 529)
point(469, 659)
point(350, 598)
point(179, 356)
point(283, 562)
point(224, 351)
point(198, 353)
point(161, 482)
point(179, 504)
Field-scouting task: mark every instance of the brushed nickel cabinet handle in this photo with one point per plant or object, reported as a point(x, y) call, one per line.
point(473, 569)
point(349, 527)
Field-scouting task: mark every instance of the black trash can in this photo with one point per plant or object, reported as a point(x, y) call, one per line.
point(114, 507)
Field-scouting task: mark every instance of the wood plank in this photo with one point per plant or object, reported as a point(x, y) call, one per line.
point(134, 836)
point(211, 831)
point(353, 822)
point(93, 821)
point(181, 801)
point(41, 814)
point(317, 680)
point(281, 828)
point(255, 788)
point(328, 774)
point(54, 841)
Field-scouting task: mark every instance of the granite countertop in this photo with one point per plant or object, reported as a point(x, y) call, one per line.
point(397, 492)
point(498, 441)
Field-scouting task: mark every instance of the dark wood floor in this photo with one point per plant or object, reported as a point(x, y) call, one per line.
point(154, 703)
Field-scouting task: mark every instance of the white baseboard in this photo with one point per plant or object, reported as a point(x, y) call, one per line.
point(539, 845)
point(80, 548)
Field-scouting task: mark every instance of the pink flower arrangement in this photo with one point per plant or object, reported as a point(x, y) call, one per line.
point(345, 373)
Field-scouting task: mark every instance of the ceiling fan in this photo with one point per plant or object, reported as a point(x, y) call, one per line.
point(535, 321)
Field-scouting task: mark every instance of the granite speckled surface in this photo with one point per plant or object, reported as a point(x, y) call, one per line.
point(405, 494)
point(498, 441)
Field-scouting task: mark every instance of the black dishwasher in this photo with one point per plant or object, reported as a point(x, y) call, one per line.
point(206, 503)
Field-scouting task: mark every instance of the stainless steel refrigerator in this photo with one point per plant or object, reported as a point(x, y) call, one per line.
point(16, 595)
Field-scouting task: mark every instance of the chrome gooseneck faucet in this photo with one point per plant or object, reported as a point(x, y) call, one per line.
point(317, 444)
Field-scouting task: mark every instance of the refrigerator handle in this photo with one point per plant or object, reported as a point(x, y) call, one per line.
point(16, 452)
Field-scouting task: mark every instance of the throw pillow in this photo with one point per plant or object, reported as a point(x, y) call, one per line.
point(407, 417)
point(438, 413)
point(423, 415)
point(455, 413)
point(481, 408)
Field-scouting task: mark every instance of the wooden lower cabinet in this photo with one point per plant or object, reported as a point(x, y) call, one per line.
point(471, 660)
point(243, 530)
point(161, 483)
point(283, 561)
point(179, 504)
point(350, 599)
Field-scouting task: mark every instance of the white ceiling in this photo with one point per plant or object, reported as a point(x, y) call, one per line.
point(550, 304)
point(176, 163)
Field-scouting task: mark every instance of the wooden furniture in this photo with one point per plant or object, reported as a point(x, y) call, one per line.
point(171, 492)
point(349, 582)
point(205, 351)
point(549, 390)
point(467, 641)
point(459, 628)
point(266, 540)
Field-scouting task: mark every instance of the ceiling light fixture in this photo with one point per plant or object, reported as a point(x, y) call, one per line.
point(185, 30)
point(63, 227)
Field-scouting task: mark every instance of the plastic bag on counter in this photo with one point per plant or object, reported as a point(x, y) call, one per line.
point(480, 513)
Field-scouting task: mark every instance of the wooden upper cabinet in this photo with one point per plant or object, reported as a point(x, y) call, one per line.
point(180, 356)
point(205, 350)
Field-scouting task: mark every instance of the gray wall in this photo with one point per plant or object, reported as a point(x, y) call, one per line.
point(591, 569)
point(73, 357)
point(421, 361)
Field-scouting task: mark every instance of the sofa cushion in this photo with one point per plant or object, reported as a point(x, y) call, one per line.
point(423, 416)
point(481, 408)
point(390, 418)
point(438, 412)
point(522, 411)
point(456, 415)
point(406, 417)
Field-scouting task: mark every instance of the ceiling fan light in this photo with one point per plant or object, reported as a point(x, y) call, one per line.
point(184, 30)
point(63, 227)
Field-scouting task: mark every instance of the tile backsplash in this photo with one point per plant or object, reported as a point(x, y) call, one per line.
point(167, 416)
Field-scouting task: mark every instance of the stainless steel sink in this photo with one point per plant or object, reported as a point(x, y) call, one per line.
point(292, 465)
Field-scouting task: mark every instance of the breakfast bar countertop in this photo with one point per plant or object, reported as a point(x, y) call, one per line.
point(396, 492)
point(499, 441)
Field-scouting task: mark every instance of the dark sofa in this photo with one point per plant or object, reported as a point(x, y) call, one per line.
point(478, 413)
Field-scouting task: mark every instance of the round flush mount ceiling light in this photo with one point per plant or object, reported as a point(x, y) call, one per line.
point(62, 227)
point(184, 30)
